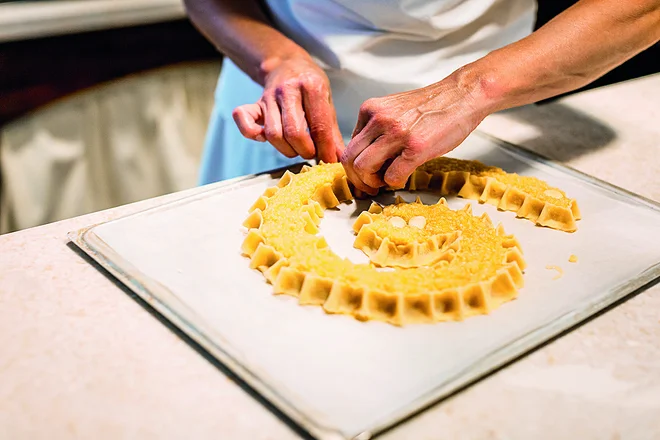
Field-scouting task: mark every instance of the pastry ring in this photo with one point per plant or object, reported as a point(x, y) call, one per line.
point(444, 264)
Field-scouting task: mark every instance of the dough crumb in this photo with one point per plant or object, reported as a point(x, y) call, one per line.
point(573, 259)
point(560, 271)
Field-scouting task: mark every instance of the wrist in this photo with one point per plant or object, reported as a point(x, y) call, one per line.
point(272, 62)
point(485, 87)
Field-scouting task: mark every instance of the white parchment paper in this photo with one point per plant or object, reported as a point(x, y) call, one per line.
point(352, 376)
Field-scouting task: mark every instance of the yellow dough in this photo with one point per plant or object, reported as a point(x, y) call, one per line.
point(410, 235)
point(442, 264)
point(528, 197)
point(560, 271)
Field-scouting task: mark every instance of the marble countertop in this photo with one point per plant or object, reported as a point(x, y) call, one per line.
point(33, 19)
point(81, 358)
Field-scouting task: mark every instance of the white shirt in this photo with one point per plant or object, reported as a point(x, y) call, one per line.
point(368, 48)
point(379, 47)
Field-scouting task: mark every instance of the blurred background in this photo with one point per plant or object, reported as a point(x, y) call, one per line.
point(106, 102)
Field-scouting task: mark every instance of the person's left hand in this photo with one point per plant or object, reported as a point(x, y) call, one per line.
point(395, 134)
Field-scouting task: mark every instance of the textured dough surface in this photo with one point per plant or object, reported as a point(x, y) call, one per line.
point(528, 197)
point(417, 237)
point(478, 266)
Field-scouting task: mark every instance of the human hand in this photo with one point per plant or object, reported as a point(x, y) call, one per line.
point(397, 133)
point(295, 113)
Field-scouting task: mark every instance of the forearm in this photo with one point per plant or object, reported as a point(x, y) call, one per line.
point(574, 49)
point(241, 31)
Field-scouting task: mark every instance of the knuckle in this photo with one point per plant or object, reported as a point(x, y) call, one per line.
point(320, 130)
point(308, 78)
point(370, 106)
point(323, 135)
point(292, 132)
point(311, 81)
point(280, 90)
point(400, 130)
point(344, 159)
point(382, 119)
point(273, 135)
point(414, 144)
point(359, 167)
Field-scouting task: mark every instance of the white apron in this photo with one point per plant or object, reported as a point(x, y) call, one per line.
point(368, 48)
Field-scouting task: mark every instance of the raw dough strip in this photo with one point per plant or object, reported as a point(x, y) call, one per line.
point(485, 184)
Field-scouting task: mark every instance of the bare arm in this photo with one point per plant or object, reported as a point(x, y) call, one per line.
point(240, 30)
point(575, 48)
point(397, 133)
point(295, 113)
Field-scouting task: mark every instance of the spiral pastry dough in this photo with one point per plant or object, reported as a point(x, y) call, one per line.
point(442, 264)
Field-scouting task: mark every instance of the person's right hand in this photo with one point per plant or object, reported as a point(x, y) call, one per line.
point(295, 113)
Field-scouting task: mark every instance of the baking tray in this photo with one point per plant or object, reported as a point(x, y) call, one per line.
point(339, 378)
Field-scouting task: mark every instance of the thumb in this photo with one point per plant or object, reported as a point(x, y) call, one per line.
point(249, 120)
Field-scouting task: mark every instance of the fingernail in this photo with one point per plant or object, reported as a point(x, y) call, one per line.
point(260, 138)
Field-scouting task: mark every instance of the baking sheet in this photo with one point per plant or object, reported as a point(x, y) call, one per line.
point(341, 378)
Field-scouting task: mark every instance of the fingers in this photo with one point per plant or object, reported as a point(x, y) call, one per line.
point(363, 173)
point(322, 121)
point(249, 120)
point(355, 147)
point(273, 126)
point(363, 118)
point(401, 168)
point(296, 116)
point(294, 124)
point(370, 163)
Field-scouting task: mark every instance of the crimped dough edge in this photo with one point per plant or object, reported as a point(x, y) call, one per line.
point(487, 189)
point(336, 296)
